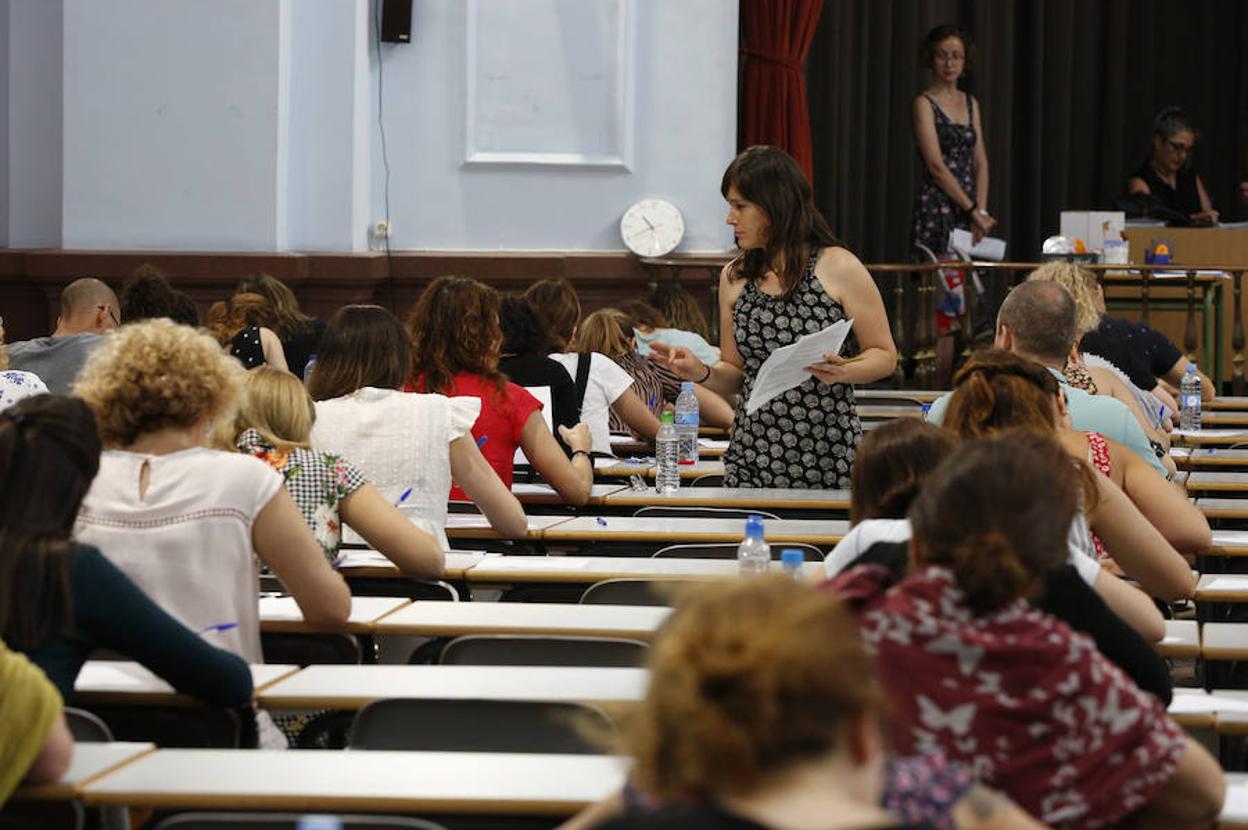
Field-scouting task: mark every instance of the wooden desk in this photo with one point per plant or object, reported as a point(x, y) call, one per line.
point(1217, 482)
point(923, 395)
point(283, 614)
point(1235, 809)
point(545, 495)
point(1198, 709)
point(477, 526)
point(351, 687)
point(1210, 438)
point(126, 683)
point(1209, 458)
point(1225, 402)
point(91, 761)
point(491, 783)
point(370, 563)
point(1224, 641)
point(453, 619)
point(1222, 588)
point(661, 529)
point(1229, 543)
point(629, 467)
point(1224, 418)
point(1220, 508)
point(585, 570)
point(739, 497)
point(887, 412)
point(1182, 639)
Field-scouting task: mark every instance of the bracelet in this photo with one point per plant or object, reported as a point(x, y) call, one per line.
point(585, 453)
point(707, 376)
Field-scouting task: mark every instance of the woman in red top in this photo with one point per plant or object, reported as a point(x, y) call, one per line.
point(455, 349)
point(974, 670)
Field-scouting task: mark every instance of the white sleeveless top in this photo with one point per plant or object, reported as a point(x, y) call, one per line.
point(187, 541)
point(400, 441)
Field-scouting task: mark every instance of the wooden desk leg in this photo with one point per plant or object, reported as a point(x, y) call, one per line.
point(1189, 331)
point(1237, 336)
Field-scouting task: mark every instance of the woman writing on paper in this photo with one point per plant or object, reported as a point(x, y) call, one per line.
point(792, 278)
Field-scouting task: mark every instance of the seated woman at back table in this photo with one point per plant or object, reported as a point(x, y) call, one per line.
point(791, 279)
point(523, 359)
point(602, 386)
point(973, 669)
point(763, 712)
point(274, 423)
point(299, 333)
point(239, 325)
point(408, 445)
point(60, 601)
point(651, 325)
point(1166, 185)
point(455, 347)
point(895, 459)
point(609, 331)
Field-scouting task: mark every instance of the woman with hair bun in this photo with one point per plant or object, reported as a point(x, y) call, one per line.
point(973, 669)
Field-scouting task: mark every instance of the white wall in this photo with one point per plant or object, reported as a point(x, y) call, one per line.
point(251, 125)
point(171, 124)
point(34, 123)
point(685, 79)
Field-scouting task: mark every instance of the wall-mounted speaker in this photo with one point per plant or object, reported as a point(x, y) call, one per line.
point(396, 21)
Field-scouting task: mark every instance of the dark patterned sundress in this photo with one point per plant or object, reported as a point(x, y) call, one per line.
point(806, 437)
point(935, 214)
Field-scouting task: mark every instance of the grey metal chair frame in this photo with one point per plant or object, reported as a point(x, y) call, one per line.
point(286, 821)
point(541, 650)
point(727, 550)
point(627, 592)
point(683, 511)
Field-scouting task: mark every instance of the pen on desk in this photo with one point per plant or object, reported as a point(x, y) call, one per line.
point(601, 521)
point(403, 497)
point(219, 627)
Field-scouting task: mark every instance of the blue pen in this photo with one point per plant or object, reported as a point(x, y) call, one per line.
point(653, 400)
point(403, 497)
point(481, 441)
point(601, 521)
point(219, 627)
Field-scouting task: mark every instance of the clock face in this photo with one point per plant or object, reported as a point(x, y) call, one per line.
point(652, 227)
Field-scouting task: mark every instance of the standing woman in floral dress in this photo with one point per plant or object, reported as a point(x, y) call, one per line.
point(792, 278)
point(950, 140)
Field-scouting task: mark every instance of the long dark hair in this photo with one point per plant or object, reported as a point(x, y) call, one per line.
point(891, 465)
point(771, 179)
point(363, 345)
point(454, 328)
point(49, 455)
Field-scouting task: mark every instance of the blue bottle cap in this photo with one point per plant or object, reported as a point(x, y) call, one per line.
point(792, 556)
point(754, 525)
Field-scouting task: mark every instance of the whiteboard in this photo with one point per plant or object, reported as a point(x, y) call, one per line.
point(560, 95)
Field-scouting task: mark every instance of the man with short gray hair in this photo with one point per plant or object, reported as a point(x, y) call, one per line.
point(1037, 321)
point(89, 309)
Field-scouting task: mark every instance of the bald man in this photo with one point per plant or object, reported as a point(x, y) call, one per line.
point(89, 309)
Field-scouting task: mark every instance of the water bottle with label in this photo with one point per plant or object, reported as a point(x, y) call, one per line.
point(667, 455)
point(687, 422)
point(754, 554)
point(1189, 399)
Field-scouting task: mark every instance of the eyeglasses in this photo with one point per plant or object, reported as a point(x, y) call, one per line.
point(949, 57)
point(1179, 147)
point(111, 314)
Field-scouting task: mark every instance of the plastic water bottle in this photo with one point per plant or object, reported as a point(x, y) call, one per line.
point(687, 419)
point(754, 554)
point(791, 561)
point(1189, 399)
point(667, 454)
point(307, 369)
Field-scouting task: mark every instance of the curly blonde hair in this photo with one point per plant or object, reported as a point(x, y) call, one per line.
point(747, 677)
point(1081, 284)
point(155, 375)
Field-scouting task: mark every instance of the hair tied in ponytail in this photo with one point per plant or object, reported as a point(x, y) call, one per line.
point(989, 571)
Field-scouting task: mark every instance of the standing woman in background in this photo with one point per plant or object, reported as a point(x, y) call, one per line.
point(792, 278)
point(950, 140)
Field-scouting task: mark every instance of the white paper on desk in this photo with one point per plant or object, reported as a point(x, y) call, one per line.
point(1230, 537)
point(1211, 433)
point(529, 489)
point(990, 248)
point(786, 367)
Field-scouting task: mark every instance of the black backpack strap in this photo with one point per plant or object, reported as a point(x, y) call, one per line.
point(583, 359)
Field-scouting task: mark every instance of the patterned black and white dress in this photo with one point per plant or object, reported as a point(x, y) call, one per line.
point(807, 436)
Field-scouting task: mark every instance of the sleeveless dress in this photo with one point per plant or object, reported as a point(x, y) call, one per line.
point(806, 437)
point(935, 214)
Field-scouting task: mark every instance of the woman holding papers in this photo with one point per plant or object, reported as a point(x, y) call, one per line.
point(791, 279)
point(950, 140)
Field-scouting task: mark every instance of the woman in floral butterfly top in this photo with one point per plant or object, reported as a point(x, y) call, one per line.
point(273, 423)
point(972, 669)
point(15, 385)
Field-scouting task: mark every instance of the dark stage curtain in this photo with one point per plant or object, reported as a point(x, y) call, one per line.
point(1067, 89)
point(775, 39)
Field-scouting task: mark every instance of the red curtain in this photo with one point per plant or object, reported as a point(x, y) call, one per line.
point(775, 37)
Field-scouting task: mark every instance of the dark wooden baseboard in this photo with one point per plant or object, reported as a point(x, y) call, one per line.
point(31, 280)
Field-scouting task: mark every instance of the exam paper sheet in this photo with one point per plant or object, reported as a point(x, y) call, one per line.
point(786, 367)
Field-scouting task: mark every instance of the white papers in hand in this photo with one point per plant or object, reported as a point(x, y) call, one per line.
point(989, 248)
point(786, 367)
